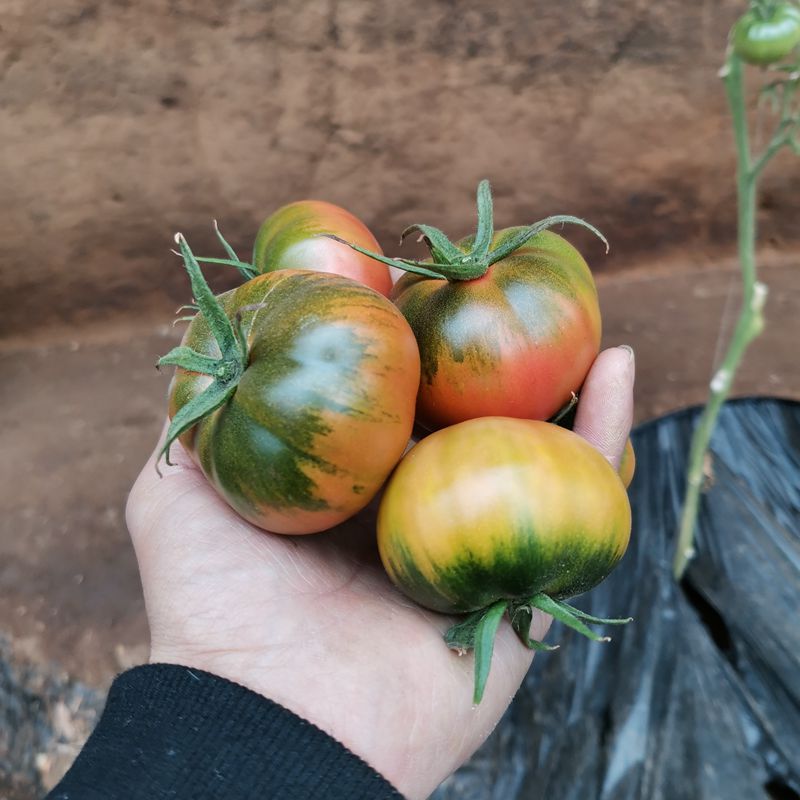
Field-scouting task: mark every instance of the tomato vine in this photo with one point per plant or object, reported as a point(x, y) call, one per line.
point(783, 91)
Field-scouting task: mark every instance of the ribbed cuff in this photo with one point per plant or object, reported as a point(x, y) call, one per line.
point(173, 732)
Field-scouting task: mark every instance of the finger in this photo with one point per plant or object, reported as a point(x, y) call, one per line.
point(605, 409)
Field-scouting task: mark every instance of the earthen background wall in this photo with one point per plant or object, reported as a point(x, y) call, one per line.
point(122, 122)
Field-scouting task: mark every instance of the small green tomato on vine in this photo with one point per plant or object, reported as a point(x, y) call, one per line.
point(767, 33)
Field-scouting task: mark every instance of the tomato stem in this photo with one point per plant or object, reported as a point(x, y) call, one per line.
point(589, 618)
point(485, 230)
point(246, 270)
point(485, 634)
point(453, 263)
point(225, 246)
point(521, 616)
point(417, 267)
point(565, 614)
point(764, 9)
point(225, 370)
point(443, 251)
point(512, 243)
point(477, 631)
point(751, 319)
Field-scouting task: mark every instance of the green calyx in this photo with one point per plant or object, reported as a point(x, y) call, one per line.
point(225, 370)
point(450, 262)
point(246, 270)
point(765, 10)
point(477, 631)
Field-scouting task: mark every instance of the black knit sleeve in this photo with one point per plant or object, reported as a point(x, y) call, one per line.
point(174, 732)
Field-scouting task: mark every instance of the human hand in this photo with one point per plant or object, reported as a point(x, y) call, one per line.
point(313, 623)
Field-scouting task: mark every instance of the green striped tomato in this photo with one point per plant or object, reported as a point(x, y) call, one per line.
point(293, 238)
point(515, 342)
point(501, 509)
point(324, 407)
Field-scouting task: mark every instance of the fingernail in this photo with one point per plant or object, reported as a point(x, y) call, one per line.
point(628, 349)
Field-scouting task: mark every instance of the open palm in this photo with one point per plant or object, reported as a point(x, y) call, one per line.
point(313, 623)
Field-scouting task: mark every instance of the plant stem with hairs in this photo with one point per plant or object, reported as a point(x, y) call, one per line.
point(751, 319)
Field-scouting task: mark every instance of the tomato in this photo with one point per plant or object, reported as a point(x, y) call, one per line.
point(307, 401)
point(508, 323)
point(500, 514)
point(500, 509)
point(627, 464)
point(766, 36)
point(516, 342)
point(293, 238)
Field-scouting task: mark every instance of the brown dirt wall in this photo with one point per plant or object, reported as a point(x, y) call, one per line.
point(122, 122)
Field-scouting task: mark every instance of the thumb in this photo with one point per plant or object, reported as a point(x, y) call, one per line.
point(605, 410)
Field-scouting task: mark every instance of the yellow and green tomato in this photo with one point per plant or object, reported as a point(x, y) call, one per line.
point(501, 509)
point(500, 515)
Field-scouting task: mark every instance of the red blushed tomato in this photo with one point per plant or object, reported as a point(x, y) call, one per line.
point(500, 509)
point(295, 237)
point(294, 394)
point(516, 342)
